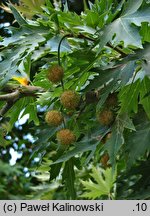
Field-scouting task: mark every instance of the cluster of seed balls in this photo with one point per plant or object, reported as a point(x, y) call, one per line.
point(69, 99)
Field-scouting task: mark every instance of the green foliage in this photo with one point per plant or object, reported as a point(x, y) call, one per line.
point(104, 50)
point(116, 141)
point(139, 189)
point(13, 184)
point(105, 180)
point(145, 101)
point(134, 139)
point(30, 7)
point(122, 30)
point(69, 178)
point(132, 103)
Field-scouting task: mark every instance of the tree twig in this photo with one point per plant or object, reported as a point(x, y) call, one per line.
point(117, 49)
point(6, 107)
point(10, 96)
point(18, 93)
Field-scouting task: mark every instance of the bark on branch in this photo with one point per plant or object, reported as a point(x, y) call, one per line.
point(15, 94)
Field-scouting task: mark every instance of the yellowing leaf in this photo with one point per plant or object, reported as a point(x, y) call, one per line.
point(22, 80)
point(30, 7)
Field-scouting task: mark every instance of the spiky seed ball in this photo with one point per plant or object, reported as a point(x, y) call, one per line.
point(55, 73)
point(106, 117)
point(112, 100)
point(70, 99)
point(66, 137)
point(53, 118)
point(91, 97)
point(104, 160)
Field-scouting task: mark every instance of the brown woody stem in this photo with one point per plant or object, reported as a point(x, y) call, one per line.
point(16, 94)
